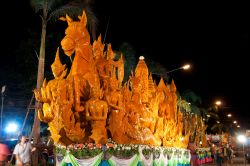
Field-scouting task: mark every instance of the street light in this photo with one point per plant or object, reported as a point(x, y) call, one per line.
point(185, 67)
point(242, 139)
point(218, 102)
point(11, 127)
point(2, 96)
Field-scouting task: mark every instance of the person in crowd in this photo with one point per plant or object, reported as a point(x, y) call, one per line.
point(230, 154)
point(219, 156)
point(22, 152)
point(4, 152)
point(225, 154)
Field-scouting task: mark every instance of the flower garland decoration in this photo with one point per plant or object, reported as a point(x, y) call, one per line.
point(123, 151)
point(80, 151)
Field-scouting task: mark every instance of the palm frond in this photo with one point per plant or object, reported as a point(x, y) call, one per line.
point(184, 105)
point(53, 4)
point(195, 109)
point(92, 21)
point(214, 115)
point(37, 5)
point(217, 127)
point(203, 112)
point(192, 97)
point(72, 11)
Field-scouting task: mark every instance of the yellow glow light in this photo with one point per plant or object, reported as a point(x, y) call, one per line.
point(185, 67)
point(218, 102)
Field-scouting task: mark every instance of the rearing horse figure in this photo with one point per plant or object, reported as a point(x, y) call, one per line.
point(83, 70)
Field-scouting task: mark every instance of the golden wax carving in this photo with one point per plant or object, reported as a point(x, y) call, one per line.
point(96, 113)
point(93, 102)
point(83, 70)
point(57, 99)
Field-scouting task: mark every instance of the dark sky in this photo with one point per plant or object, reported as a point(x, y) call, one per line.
point(212, 37)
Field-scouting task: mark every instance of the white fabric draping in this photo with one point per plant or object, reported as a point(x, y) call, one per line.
point(144, 161)
point(90, 161)
point(122, 162)
point(162, 159)
point(81, 162)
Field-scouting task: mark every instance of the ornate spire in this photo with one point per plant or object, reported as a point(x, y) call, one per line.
point(57, 62)
point(110, 52)
point(98, 47)
point(161, 85)
point(141, 72)
point(141, 68)
point(173, 87)
point(151, 86)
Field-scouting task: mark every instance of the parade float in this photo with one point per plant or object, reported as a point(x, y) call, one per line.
point(95, 116)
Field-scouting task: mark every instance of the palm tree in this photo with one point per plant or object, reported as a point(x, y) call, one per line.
point(50, 10)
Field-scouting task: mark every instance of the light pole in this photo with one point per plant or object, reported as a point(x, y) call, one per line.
point(229, 118)
point(2, 96)
point(185, 67)
point(242, 139)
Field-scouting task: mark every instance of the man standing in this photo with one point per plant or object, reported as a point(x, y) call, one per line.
point(22, 152)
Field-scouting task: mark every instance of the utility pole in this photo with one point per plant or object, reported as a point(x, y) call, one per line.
point(2, 96)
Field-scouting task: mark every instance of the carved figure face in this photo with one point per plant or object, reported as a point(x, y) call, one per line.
point(95, 92)
point(76, 34)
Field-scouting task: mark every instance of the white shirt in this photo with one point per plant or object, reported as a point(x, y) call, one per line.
point(24, 152)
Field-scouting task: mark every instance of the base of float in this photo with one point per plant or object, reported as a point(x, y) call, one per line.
point(202, 156)
point(121, 155)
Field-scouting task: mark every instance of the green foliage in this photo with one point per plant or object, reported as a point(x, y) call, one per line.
point(61, 151)
point(85, 152)
point(191, 97)
point(184, 105)
point(123, 151)
point(156, 153)
point(37, 4)
point(80, 152)
point(59, 8)
point(195, 109)
point(203, 112)
point(131, 61)
point(147, 152)
point(217, 128)
point(214, 115)
point(168, 152)
point(156, 68)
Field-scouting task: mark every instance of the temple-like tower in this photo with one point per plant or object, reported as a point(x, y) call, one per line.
point(141, 72)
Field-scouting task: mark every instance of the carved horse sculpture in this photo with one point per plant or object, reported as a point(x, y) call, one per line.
point(83, 70)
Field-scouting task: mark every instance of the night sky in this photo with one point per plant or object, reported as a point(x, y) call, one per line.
point(212, 37)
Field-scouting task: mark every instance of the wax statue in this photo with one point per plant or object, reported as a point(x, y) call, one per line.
point(92, 102)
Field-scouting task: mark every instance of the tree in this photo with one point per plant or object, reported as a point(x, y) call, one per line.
point(48, 11)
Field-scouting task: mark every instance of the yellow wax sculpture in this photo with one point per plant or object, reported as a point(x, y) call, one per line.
point(92, 102)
